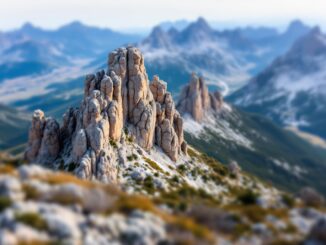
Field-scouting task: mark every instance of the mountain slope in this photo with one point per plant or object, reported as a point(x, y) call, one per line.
point(202, 203)
point(13, 127)
point(258, 145)
point(291, 91)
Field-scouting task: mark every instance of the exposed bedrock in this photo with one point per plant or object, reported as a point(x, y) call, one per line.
point(119, 98)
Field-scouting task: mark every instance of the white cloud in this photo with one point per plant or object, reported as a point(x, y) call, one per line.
point(127, 13)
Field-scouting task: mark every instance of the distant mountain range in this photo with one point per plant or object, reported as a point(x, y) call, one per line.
point(31, 50)
point(292, 90)
point(226, 58)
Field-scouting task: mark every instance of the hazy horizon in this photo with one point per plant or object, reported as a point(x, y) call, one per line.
point(144, 14)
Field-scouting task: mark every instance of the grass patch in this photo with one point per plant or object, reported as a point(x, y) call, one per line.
point(182, 168)
point(37, 242)
point(113, 144)
point(192, 153)
point(5, 202)
point(65, 199)
point(33, 220)
point(149, 184)
point(153, 164)
point(65, 178)
point(247, 197)
point(31, 193)
point(179, 198)
point(132, 157)
point(7, 169)
point(288, 200)
point(126, 204)
point(241, 229)
point(254, 213)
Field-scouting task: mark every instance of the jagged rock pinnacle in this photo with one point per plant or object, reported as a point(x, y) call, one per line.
point(195, 99)
point(113, 100)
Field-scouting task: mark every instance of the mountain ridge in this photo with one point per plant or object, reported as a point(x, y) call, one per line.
point(296, 82)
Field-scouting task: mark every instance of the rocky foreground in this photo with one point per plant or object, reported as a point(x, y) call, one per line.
point(197, 202)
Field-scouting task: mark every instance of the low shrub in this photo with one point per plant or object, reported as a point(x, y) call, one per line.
point(248, 197)
point(5, 202)
point(32, 219)
point(153, 164)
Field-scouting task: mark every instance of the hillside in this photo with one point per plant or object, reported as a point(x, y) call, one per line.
point(257, 144)
point(34, 200)
point(13, 127)
point(291, 91)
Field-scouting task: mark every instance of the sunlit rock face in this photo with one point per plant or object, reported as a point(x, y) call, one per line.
point(120, 98)
point(196, 100)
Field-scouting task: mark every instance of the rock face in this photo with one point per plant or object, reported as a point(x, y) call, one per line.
point(196, 100)
point(43, 144)
point(169, 124)
point(118, 99)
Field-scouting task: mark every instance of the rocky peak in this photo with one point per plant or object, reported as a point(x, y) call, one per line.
point(196, 100)
point(297, 27)
point(196, 32)
point(115, 101)
point(200, 25)
point(158, 38)
point(311, 44)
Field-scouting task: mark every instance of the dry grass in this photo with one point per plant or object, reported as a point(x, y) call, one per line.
point(36, 242)
point(5, 202)
point(33, 220)
point(153, 164)
point(65, 178)
point(30, 192)
point(126, 204)
point(7, 169)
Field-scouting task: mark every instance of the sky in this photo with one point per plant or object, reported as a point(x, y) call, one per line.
point(128, 14)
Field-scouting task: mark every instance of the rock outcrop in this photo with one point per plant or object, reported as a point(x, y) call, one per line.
point(169, 123)
point(196, 100)
point(118, 99)
point(44, 143)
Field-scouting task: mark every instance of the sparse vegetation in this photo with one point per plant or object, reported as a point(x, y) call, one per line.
point(5, 202)
point(32, 219)
point(113, 144)
point(7, 169)
point(182, 168)
point(30, 192)
point(132, 157)
point(64, 178)
point(288, 200)
point(149, 184)
point(247, 197)
point(153, 164)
